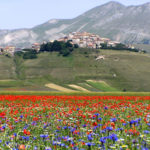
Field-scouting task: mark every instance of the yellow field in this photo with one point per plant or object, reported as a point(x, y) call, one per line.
point(79, 88)
point(58, 88)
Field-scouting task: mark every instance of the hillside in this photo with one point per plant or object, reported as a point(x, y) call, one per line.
point(112, 20)
point(117, 72)
point(143, 46)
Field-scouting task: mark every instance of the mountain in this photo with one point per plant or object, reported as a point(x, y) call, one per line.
point(127, 24)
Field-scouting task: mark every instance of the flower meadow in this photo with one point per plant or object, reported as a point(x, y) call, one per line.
point(74, 122)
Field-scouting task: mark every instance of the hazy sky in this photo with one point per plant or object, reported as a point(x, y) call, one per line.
point(28, 13)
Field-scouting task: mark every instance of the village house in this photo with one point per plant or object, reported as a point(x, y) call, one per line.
point(9, 49)
point(112, 43)
point(36, 46)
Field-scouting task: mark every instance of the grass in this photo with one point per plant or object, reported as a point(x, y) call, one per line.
point(7, 68)
point(131, 69)
point(75, 93)
point(102, 86)
point(88, 87)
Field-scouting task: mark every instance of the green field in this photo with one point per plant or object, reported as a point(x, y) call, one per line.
point(119, 71)
point(75, 93)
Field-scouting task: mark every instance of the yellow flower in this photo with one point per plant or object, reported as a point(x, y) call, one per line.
point(142, 136)
point(124, 146)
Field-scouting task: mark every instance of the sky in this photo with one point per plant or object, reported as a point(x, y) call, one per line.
point(16, 14)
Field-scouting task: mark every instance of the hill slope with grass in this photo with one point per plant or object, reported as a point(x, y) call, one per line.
point(80, 71)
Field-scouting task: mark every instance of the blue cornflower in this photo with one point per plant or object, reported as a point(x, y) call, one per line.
point(132, 122)
point(34, 123)
point(139, 119)
point(103, 139)
point(134, 141)
point(26, 126)
point(44, 127)
point(105, 107)
point(119, 129)
point(99, 125)
point(113, 137)
point(89, 144)
point(73, 129)
point(62, 145)
point(103, 131)
point(146, 131)
point(100, 119)
point(137, 124)
point(43, 136)
point(144, 148)
point(35, 148)
point(56, 130)
point(25, 138)
point(84, 125)
point(113, 119)
point(7, 143)
point(34, 138)
point(95, 127)
point(54, 142)
point(109, 128)
point(59, 138)
point(89, 137)
point(75, 148)
point(97, 114)
point(65, 127)
point(124, 124)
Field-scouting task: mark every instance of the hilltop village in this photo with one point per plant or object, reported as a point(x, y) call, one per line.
point(88, 40)
point(82, 39)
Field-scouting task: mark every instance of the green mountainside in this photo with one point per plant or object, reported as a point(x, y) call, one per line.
point(80, 71)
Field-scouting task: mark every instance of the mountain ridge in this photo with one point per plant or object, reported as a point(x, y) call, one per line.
point(112, 20)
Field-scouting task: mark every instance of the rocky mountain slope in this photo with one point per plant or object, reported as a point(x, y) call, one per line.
point(112, 20)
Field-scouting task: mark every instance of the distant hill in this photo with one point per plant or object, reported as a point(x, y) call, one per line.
point(143, 47)
point(112, 20)
point(116, 71)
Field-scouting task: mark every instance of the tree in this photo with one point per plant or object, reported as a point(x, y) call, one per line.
point(19, 53)
point(30, 55)
point(56, 46)
point(120, 46)
point(43, 47)
point(63, 48)
point(103, 45)
point(76, 46)
point(68, 44)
